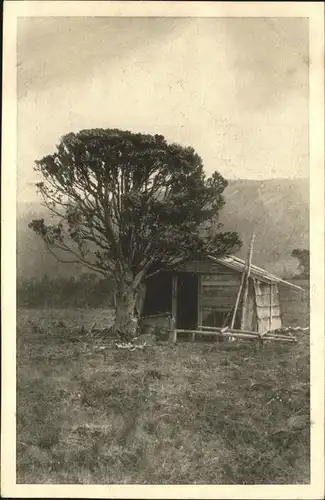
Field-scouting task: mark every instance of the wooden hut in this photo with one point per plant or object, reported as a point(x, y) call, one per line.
point(203, 293)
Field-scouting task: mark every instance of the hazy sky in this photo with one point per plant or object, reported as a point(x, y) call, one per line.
point(234, 89)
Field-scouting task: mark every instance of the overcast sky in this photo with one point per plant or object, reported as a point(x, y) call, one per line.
point(234, 89)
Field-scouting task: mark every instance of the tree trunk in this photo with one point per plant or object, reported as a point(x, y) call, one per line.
point(126, 322)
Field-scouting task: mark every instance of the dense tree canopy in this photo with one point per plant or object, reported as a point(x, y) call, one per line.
point(123, 202)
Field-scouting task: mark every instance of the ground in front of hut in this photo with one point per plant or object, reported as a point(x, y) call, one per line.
point(194, 413)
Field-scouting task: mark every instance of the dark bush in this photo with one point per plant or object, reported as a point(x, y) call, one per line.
point(86, 290)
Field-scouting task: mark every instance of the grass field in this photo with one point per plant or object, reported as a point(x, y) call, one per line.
point(201, 413)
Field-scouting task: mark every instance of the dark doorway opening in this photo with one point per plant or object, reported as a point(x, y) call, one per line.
point(158, 298)
point(187, 301)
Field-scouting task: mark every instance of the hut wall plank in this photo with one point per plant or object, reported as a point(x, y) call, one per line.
point(265, 296)
point(206, 266)
point(217, 307)
point(218, 297)
point(262, 324)
point(225, 284)
point(264, 312)
point(219, 292)
point(221, 278)
point(217, 304)
point(276, 322)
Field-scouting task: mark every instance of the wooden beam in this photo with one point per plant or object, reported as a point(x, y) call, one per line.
point(241, 335)
point(285, 339)
point(158, 315)
point(216, 328)
point(236, 334)
point(220, 329)
point(218, 333)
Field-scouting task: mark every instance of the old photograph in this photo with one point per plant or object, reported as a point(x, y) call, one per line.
point(163, 249)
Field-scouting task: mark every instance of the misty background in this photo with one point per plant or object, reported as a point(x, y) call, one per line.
point(236, 89)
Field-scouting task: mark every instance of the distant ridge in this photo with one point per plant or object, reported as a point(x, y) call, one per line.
point(276, 209)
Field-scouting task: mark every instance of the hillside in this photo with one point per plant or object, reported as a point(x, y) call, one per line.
point(276, 209)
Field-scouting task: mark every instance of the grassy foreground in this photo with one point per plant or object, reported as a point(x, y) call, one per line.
point(201, 413)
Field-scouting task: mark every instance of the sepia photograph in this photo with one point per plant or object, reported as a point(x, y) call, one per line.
point(163, 289)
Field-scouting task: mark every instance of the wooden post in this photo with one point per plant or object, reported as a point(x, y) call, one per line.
point(237, 300)
point(260, 344)
point(248, 272)
point(271, 307)
point(199, 307)
point(199, 302)
point(173, 332)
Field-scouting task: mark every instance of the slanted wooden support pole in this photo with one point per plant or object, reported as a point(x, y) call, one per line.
point(225, 321)
point(246, 281)
point(173, 331)
point(246, 272)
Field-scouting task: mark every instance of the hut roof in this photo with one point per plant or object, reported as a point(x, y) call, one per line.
point(238, 264)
